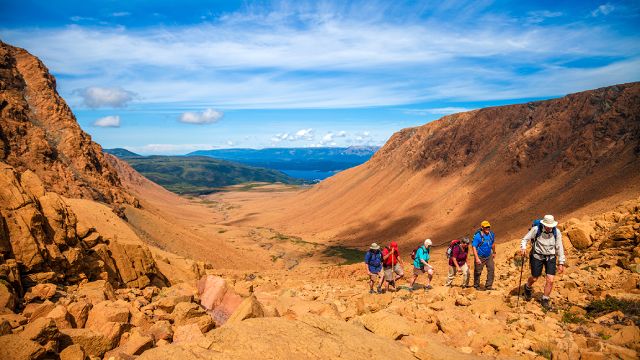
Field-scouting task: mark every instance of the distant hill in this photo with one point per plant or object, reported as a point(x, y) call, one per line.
point(327, 160)
point(121, 153)
point(200, 174)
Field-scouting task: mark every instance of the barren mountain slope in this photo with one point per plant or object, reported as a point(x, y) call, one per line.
point(39, 132)
point(507, 164)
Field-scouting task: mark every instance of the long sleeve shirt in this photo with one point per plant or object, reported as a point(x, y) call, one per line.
point(545, 245)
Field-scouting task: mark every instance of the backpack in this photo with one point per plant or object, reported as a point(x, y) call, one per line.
point(453, 243)
point(538, 223)
point(491, 236)
point(375, 259)
point(414, 252)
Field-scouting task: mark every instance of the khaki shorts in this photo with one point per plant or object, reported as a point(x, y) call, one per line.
point(423, 270)
point(388, 272)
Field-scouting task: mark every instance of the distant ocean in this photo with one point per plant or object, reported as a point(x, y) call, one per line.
point(309, 175)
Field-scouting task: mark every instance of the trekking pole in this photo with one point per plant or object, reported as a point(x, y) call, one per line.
point(520, 281)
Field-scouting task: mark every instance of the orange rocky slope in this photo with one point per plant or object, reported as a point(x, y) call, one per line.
point(508, 164)
point(40, 133)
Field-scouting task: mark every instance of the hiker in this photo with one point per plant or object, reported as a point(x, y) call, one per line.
point(546, 245)
point(484, 250)
point(373, 259)
point(421, 264)
point(391, 263)
point(457, 253)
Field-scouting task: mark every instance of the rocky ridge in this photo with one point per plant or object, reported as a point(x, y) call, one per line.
point(39, 132)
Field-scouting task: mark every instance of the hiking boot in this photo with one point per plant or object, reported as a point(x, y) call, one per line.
point(379, 290)
point(371, 291)
point(488, 288)
point(428, 287)
point(545, 303)
point(476, 287)
point(527, 292)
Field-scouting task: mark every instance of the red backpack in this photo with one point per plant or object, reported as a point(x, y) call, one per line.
point(455, 242)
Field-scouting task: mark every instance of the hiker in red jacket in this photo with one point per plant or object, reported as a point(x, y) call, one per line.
point(391, 264)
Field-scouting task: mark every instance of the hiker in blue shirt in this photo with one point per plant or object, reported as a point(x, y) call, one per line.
point(373, 259)
point(421, 266)
point(484, 250)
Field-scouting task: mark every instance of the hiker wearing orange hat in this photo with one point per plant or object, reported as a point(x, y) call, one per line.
point(391, 264)
point(484, 250)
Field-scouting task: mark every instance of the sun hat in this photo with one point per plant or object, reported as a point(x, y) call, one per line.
point(427, 243)
point(485, 224)
point(549, 221)
point(394, 244)
point(374, 246)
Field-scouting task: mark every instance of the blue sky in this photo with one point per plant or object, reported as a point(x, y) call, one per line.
point(164, 77)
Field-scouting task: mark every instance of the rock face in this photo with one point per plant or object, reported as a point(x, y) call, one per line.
point(40, 133)
point(40, 238)
point(506, 164)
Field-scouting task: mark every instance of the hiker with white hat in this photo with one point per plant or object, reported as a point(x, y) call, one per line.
point(546, 246)
point(421, 265)
point(373, 259)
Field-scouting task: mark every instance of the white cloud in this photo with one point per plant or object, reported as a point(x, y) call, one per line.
point(302, 134)
point(536, 17)
point(95, 97)
point(108, 121)
point(359, 56)
point(120, 14)
point(604, 9)
point(209, 116)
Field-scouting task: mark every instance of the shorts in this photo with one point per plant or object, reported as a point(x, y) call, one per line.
point(423, 270)
point(388, 272)
point(549, 264)
point(374, 276)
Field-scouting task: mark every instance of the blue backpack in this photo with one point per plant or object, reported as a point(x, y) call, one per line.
point(538, 223)
point(373, 259)
point(491, 236)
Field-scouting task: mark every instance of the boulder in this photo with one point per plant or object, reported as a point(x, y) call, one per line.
point(249, 308)
point(187, 333)
point(16, 347)
point(96, 291)
point(160, 330)
point(40, 292)
point(41, 331)
point(108, 311)
point(386, 324)
point(92, 239)
point(168, 298)
point(94, 342)
point(61, 317)
point(35, 311)
point(134, 263)
point(623, 233)
point(60, 219)
point(579, 236)
point(73, 352)
point(7, 298)
point(79, 312)
point(14, 320)
point(5, 327)
point(135, 345)
point(627, 336)
point(32, 184)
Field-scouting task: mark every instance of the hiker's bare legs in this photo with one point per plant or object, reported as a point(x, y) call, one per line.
point(530, 281)
point(430, 276)
point(548, 286)
point(413, 281)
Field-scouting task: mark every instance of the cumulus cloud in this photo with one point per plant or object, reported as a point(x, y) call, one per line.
point(208, 116)
point(302, 134)
point(604, 9)
point(96, 97)
point(328, 138)
point(120, 14)
point(108, 121)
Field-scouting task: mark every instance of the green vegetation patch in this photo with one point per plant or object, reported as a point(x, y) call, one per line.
point(350, 255)
point(571, 318)
point(609, 304)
